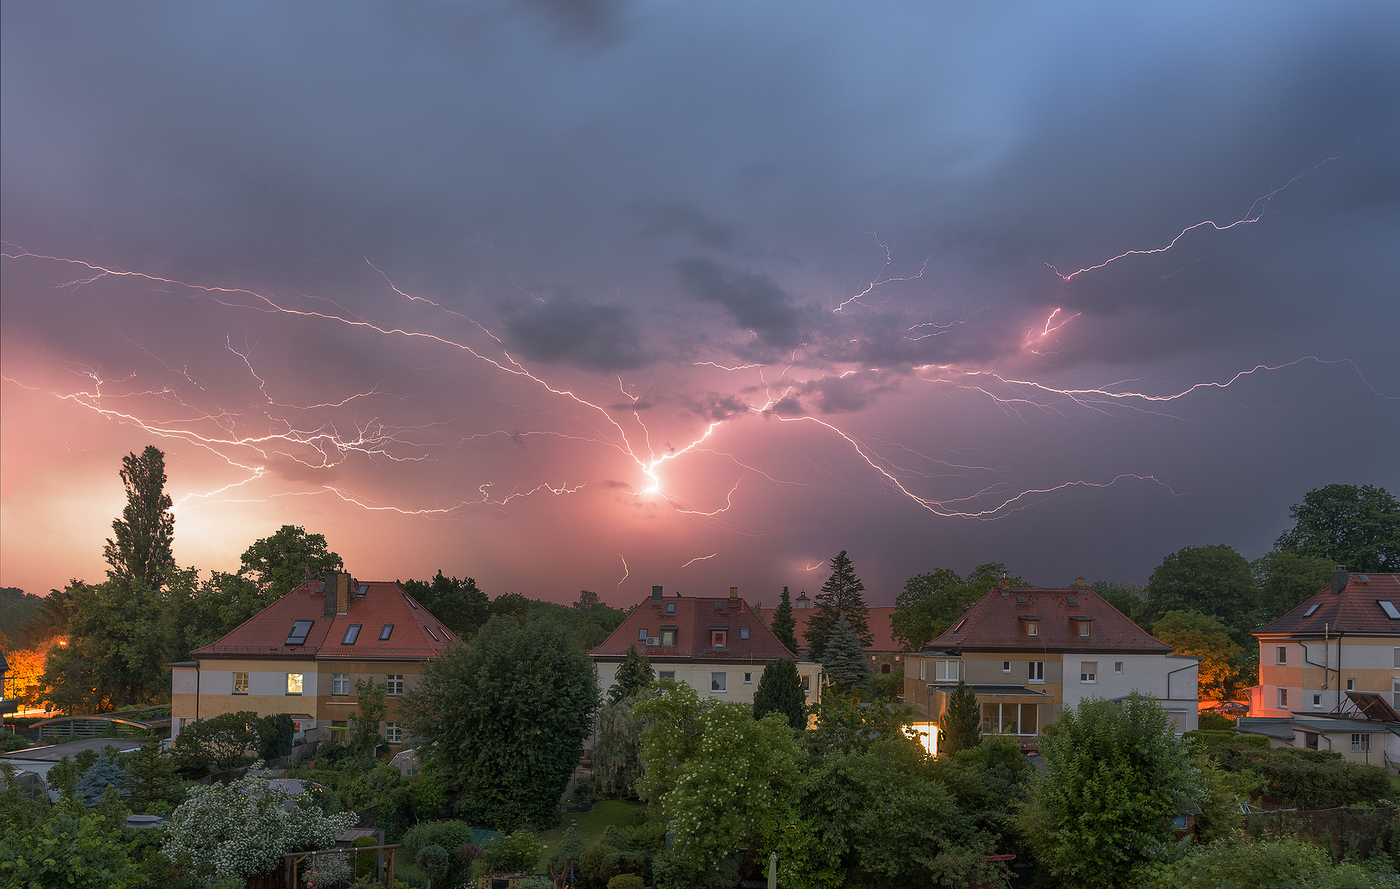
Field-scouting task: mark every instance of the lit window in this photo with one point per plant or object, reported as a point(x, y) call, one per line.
point(1032, 628)
point(294, 683)
point(240, 683)
point(1283, 697)
point(1037, 671)
point(340, 683)
point(719, 682)
point(1006, 666)
point(392, 733)
point(299, 630)
point(1280, 655)
point(385, 633)
point(668, 637)
point(744, 633)
point(667, 674)
point(1089, 671)
point(748, 679)
point(393, 685)
point(352, 633)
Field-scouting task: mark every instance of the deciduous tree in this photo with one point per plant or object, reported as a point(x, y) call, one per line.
point(1117, 775)
point(633, 675)
point(505, 718)
point(1205, 637)
point(460, 606)
point(141, 551)
point(1285, 579)
point(370, 712)
point(617, 754)
point(1351, 526)
point(932, 602)
point(1213, 580)
point(279, 563)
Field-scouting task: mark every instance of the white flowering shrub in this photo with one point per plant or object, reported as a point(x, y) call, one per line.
point(243, 829)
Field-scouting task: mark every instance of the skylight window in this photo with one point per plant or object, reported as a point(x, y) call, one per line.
point(410, 601)
point(1311, 609)
point(299, 630)
point(352, 633)
point(386, 632)
point(1020, 600)
point(431, 633)
point(1389, 608)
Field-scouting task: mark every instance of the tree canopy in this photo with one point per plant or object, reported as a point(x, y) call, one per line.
point(505, 719)
point(931, 602)
point(460, 606)
point(1200, 635)
point(1358, 527)
point(780, 691)
point(280, 562)
point(633, 675)
point(1213, 580)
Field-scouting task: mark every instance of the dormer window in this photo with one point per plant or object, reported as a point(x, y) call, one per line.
point(718, 638)
point(299, 630)
point(670, 607)
point(1032, 628)
point(385, 633)
point(1083, 626)
point(668, 637)
point(352, 633)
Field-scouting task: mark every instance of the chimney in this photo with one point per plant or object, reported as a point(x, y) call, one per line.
point(656, 593)
point(342, 593)
point(1339, 578)
point(332, 584)
point(733, 593)
point(1081, 584)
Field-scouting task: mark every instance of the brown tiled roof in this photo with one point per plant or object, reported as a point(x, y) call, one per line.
point(384, 602)
point(997, 622)
point(878, 620)
point(693, 619)
point(1354, 609)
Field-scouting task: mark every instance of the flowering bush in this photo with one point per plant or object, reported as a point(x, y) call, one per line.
point(327, 870)
point(243, 828)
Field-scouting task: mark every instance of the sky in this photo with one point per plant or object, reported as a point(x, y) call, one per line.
point(605, 294)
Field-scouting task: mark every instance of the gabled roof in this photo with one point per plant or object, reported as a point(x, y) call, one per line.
point(416, 634)
point(692, 618)
point(999, 622)
point(1355, 608)
point(878, 620)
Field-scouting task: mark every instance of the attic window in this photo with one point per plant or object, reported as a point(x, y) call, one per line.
point(410, 601)
point(299, 630)
point(1084, 627)
point(386, 632)
point(1311, 609)
point(431, 633)
point(364, 588)
point(1070, 600)
point(744, 633)
point(719, 606)
point(1020, 600)
point(670, 607)
point(352, 633)
point(1032, 628)
point(1389, 608)
point(957, 626)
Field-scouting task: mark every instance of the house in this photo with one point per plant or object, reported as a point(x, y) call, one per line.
point(1359, 736)
point(303, 654)
point(1344, 639)
point(1029, 652)
point(717, 645)
point(884, 655)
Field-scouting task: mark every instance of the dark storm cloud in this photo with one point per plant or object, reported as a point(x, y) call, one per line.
point(715, 406)
point(666, 220)
point(565, 330)
point(752, 300)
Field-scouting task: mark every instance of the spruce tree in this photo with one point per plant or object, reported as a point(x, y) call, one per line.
point(784, 625)
point(633, 675)
point(844, 659)
point(961, 724)
point(780, 691)
point(840, 596)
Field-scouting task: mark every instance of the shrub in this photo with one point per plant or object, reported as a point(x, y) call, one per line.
point(625, 881)
point(366, 863)
point(511, 853)
point(1212, 721)
point(435, 861)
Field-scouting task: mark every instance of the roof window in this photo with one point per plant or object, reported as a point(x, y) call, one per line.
point(410, 601)
point(1070, 600)
point(1020, 600)
point(431, 633)
point(352, 633)
point(1389, 608)
point(1312, 609)
point(299, 630)
point(386, 632)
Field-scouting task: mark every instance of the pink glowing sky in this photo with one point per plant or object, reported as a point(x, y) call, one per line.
point(564, 300)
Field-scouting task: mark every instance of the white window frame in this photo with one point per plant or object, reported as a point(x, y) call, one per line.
point(393, 685)
point(666, 674)
point(642, 634)
point(340, 683)
point(1032, 628)
point(1006, 666)
point(1360, 741)
point(1118, 667)
point(1281, 654)
point(1088, 672)
point(1317, 701)
point(393, 734)
point(748, 679)
point(1036, 672)
point(719, 683)
point(945, 671)
point(240, 675)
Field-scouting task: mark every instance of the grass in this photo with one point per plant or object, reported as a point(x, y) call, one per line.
point(589, 826)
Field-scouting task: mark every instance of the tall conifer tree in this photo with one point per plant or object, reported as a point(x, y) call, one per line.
point(784, 624)
point(840, 596)
point(142, 549)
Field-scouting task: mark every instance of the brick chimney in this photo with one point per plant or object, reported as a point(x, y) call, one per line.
point(1081, 584)
point(332, 583)
point(1339, 579)
point(656, 593)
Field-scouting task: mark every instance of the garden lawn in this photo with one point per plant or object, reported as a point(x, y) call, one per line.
point(589, 826)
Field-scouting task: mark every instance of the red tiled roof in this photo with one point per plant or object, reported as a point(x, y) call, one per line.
point(692, 620)
point(384, 602)
point(1354, 609)
point(997, 622)
point(878, 620)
